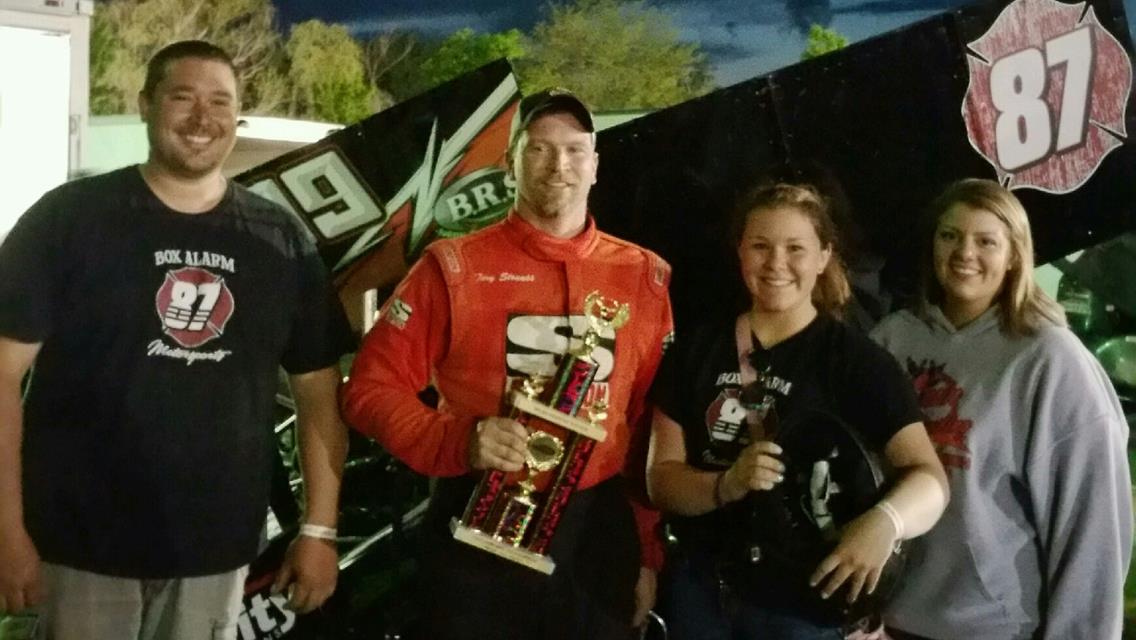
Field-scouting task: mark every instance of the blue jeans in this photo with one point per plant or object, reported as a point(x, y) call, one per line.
point(694, 610)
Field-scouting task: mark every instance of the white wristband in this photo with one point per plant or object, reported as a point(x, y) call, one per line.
point(893, 515)
point(318, 532)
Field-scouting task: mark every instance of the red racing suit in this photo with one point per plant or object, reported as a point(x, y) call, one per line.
point(502, 303)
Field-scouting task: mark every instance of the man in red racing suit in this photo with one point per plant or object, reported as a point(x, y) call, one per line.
point(476, 313)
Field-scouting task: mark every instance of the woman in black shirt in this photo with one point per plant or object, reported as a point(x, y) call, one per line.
point(713, 449)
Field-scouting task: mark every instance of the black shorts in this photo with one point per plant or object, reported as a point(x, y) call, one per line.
point(469, 593)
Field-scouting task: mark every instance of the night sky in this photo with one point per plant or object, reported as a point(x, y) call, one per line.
point(741, 38)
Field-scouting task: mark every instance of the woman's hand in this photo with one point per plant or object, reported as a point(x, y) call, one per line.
point(756, 469)
point(866, 544)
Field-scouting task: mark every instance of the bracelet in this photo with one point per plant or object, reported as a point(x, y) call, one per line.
point(893, 515)
point(319, 532)
point(718, 503)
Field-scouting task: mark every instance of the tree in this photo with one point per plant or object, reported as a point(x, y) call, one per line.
point(104, 97)
point(384, 56)
point(126, 33)
point(327, 73)
point(821, 41)
point(466, 50)
point(615, 54)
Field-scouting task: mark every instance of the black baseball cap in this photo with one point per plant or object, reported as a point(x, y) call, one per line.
point(552, 99)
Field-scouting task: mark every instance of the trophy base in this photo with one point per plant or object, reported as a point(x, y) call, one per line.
point(486, 542)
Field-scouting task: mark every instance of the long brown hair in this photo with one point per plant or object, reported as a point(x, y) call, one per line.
point(832, 290)
point(1025, 307)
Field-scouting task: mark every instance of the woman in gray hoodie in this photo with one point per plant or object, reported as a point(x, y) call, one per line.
point(1036, 540)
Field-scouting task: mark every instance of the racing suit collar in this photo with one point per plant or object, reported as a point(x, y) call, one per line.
point(542, 246)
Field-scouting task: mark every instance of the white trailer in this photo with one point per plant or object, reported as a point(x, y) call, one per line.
point(44, 88)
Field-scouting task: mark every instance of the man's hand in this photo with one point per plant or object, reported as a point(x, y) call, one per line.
point(645, 592)
point(309, 573)
point(498, 443)
point(20, 583)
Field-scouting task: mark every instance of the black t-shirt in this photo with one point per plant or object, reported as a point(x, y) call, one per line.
point(148, 421)
point(828, 366)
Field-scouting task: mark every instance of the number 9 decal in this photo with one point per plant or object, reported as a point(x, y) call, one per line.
point(325, 191)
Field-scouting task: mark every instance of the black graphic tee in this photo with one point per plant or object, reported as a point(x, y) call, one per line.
point(828, 366)
point(148, 421)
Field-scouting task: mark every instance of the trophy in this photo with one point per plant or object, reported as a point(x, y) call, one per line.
point(508, 515)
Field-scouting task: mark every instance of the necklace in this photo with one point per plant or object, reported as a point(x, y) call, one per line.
point(756, 394)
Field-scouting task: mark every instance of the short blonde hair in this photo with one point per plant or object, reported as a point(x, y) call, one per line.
point(832, 290)
point(1024, 307)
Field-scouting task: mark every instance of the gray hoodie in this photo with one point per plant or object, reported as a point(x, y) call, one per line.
point(1036, 540)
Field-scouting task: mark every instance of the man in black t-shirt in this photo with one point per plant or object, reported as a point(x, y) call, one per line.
point(157, 303)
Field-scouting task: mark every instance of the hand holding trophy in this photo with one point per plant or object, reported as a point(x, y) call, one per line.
point(515, 520)
point(498, 443)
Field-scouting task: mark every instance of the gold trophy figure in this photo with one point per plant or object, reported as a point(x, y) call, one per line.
point(516, 521)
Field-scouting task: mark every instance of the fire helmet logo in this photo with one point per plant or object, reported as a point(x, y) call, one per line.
point(725, 417)
point(939, 395)
point(194, 305)
point(1047, 97)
